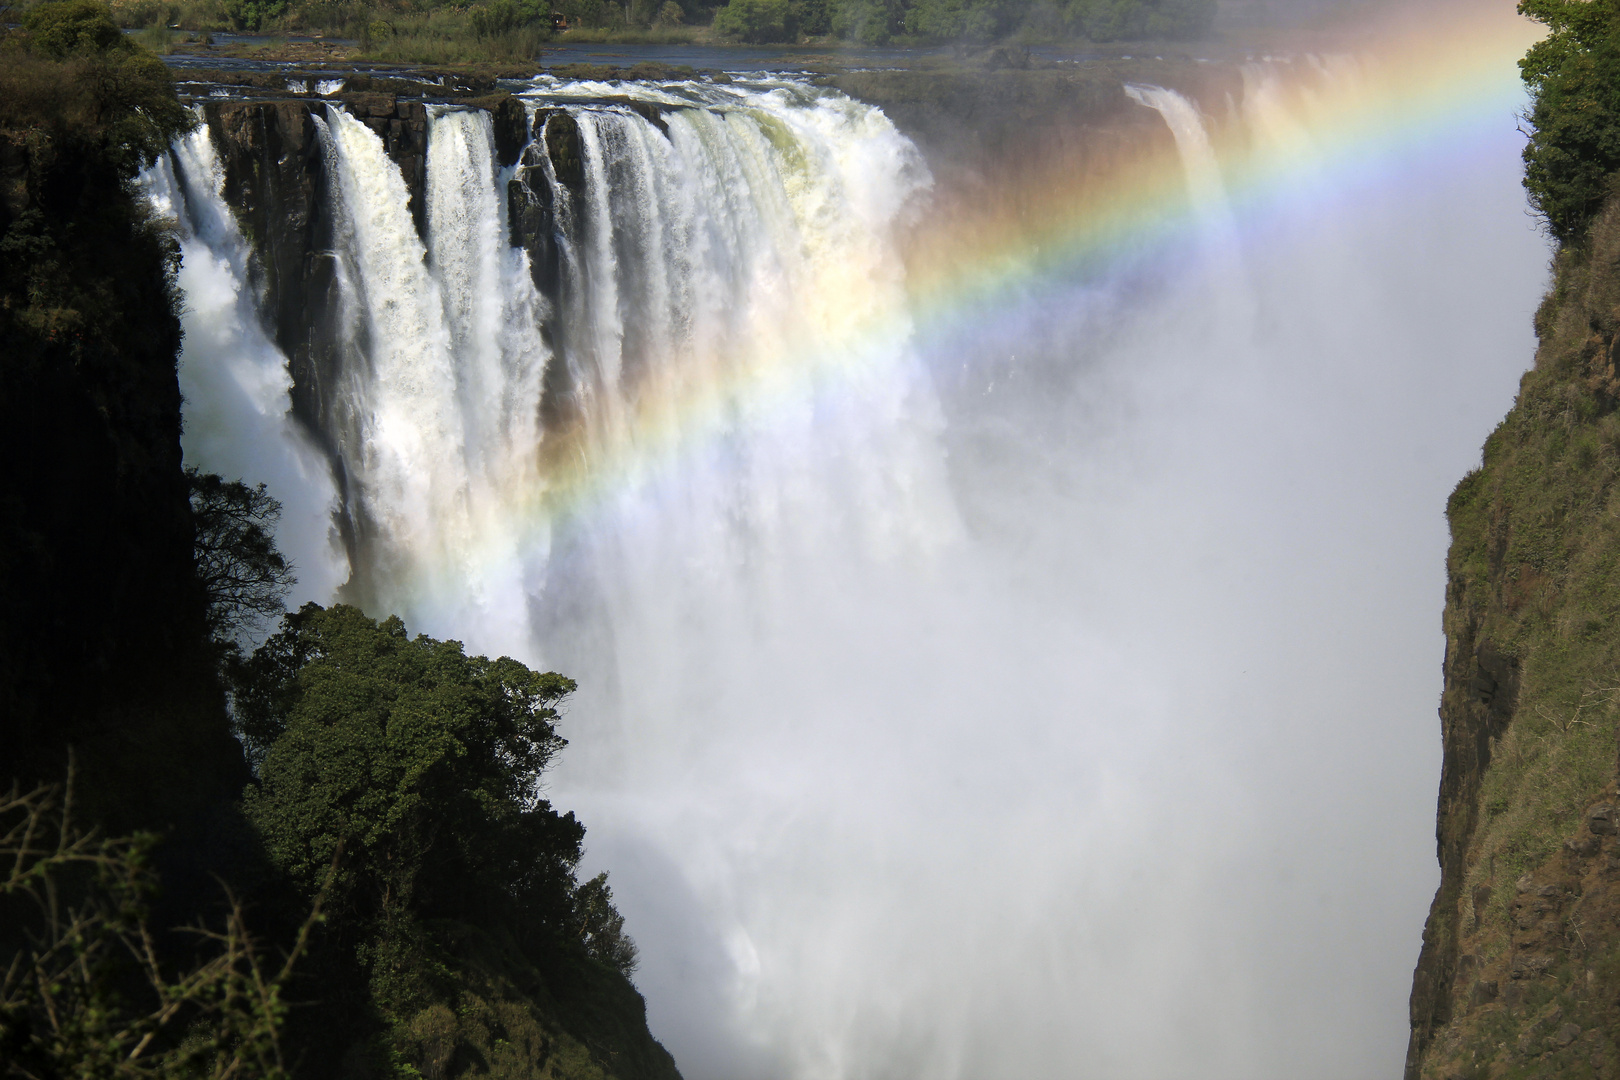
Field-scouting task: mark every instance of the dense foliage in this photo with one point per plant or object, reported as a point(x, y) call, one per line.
point(400, 779)
point(419, 763)
point(1574, 79)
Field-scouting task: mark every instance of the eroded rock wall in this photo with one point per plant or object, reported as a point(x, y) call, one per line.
point(1519, 974)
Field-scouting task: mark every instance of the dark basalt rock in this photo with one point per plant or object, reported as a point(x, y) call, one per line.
point(532, 220)
point(511, 122)
point(649, 111)
point(1482, 687)
point(276, 181)
point(561, 134)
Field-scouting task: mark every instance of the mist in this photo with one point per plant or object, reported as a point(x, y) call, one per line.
point(1133, 775)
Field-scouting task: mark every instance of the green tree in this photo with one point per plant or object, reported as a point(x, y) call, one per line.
point(969, 20)
point(72, 72)
point(403, 777)
point(67, 28)
point(870, 22)
point(245, 577)
point(423, 764)
point(600, 926)
point(757, 21)
point(504, 16)
point(254, 14)
point(1574, 80)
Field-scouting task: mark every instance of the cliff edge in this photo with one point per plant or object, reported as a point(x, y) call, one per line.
point(1519, 974)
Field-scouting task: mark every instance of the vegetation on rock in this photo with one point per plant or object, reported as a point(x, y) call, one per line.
point(449, 31)
point(100, 590)
point(1521, 955)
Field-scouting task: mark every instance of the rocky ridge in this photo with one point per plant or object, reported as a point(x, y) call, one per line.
point(1519, 975)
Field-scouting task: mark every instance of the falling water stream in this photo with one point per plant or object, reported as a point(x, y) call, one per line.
point(1048, 696)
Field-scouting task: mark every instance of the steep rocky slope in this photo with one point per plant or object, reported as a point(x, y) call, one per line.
point(1519, 974)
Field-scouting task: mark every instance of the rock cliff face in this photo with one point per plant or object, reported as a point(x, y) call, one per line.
point(276, 180)
point(1519, 974)
point(103, 636)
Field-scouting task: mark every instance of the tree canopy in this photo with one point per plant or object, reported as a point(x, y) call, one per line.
point(416, 769)
point(245, 577)
point(420, 763)
point(1574, 79)
point(70, 70)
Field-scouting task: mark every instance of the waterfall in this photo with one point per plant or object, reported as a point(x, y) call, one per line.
point(235, 381)
point(1024, 702)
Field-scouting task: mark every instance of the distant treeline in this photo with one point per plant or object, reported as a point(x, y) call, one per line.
point(876, 22)
point(508, 27)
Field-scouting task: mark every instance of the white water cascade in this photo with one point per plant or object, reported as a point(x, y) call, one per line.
point(235, 381)
point(1046, 697)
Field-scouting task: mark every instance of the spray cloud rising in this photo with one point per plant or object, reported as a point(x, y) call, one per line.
point(1049, 694)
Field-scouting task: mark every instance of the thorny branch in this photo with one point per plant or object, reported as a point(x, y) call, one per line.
point(88, 992)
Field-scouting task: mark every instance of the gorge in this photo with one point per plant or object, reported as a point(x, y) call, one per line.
point(998, 549)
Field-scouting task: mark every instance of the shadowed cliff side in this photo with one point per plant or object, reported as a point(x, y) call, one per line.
point(110, 648)
point(1520, 969)
point(103, 637)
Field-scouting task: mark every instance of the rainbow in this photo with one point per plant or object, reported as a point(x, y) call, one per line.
point(1411, 88)
point(1424, 85)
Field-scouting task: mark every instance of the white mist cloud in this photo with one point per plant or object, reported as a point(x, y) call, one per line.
point(1138, 781)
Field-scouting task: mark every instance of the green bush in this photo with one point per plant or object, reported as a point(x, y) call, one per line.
point(870, 22)
point(86, 995)
point(254, 14)
point(60, 29)
point(756, 21)
point(502, 17)
point(971, 20)
point(1574, 79)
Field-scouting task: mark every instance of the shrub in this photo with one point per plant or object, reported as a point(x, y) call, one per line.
point(756, 21)
point(972, 20)
point(1574, 80)
point(870, 22)
point(89, 993)
point(61, 29)
point(254, 14)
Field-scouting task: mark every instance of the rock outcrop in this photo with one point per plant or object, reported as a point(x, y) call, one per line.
point(1519, 974)
point(275, 179)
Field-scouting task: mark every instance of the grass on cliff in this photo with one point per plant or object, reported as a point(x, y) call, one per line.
point(1536, 545)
